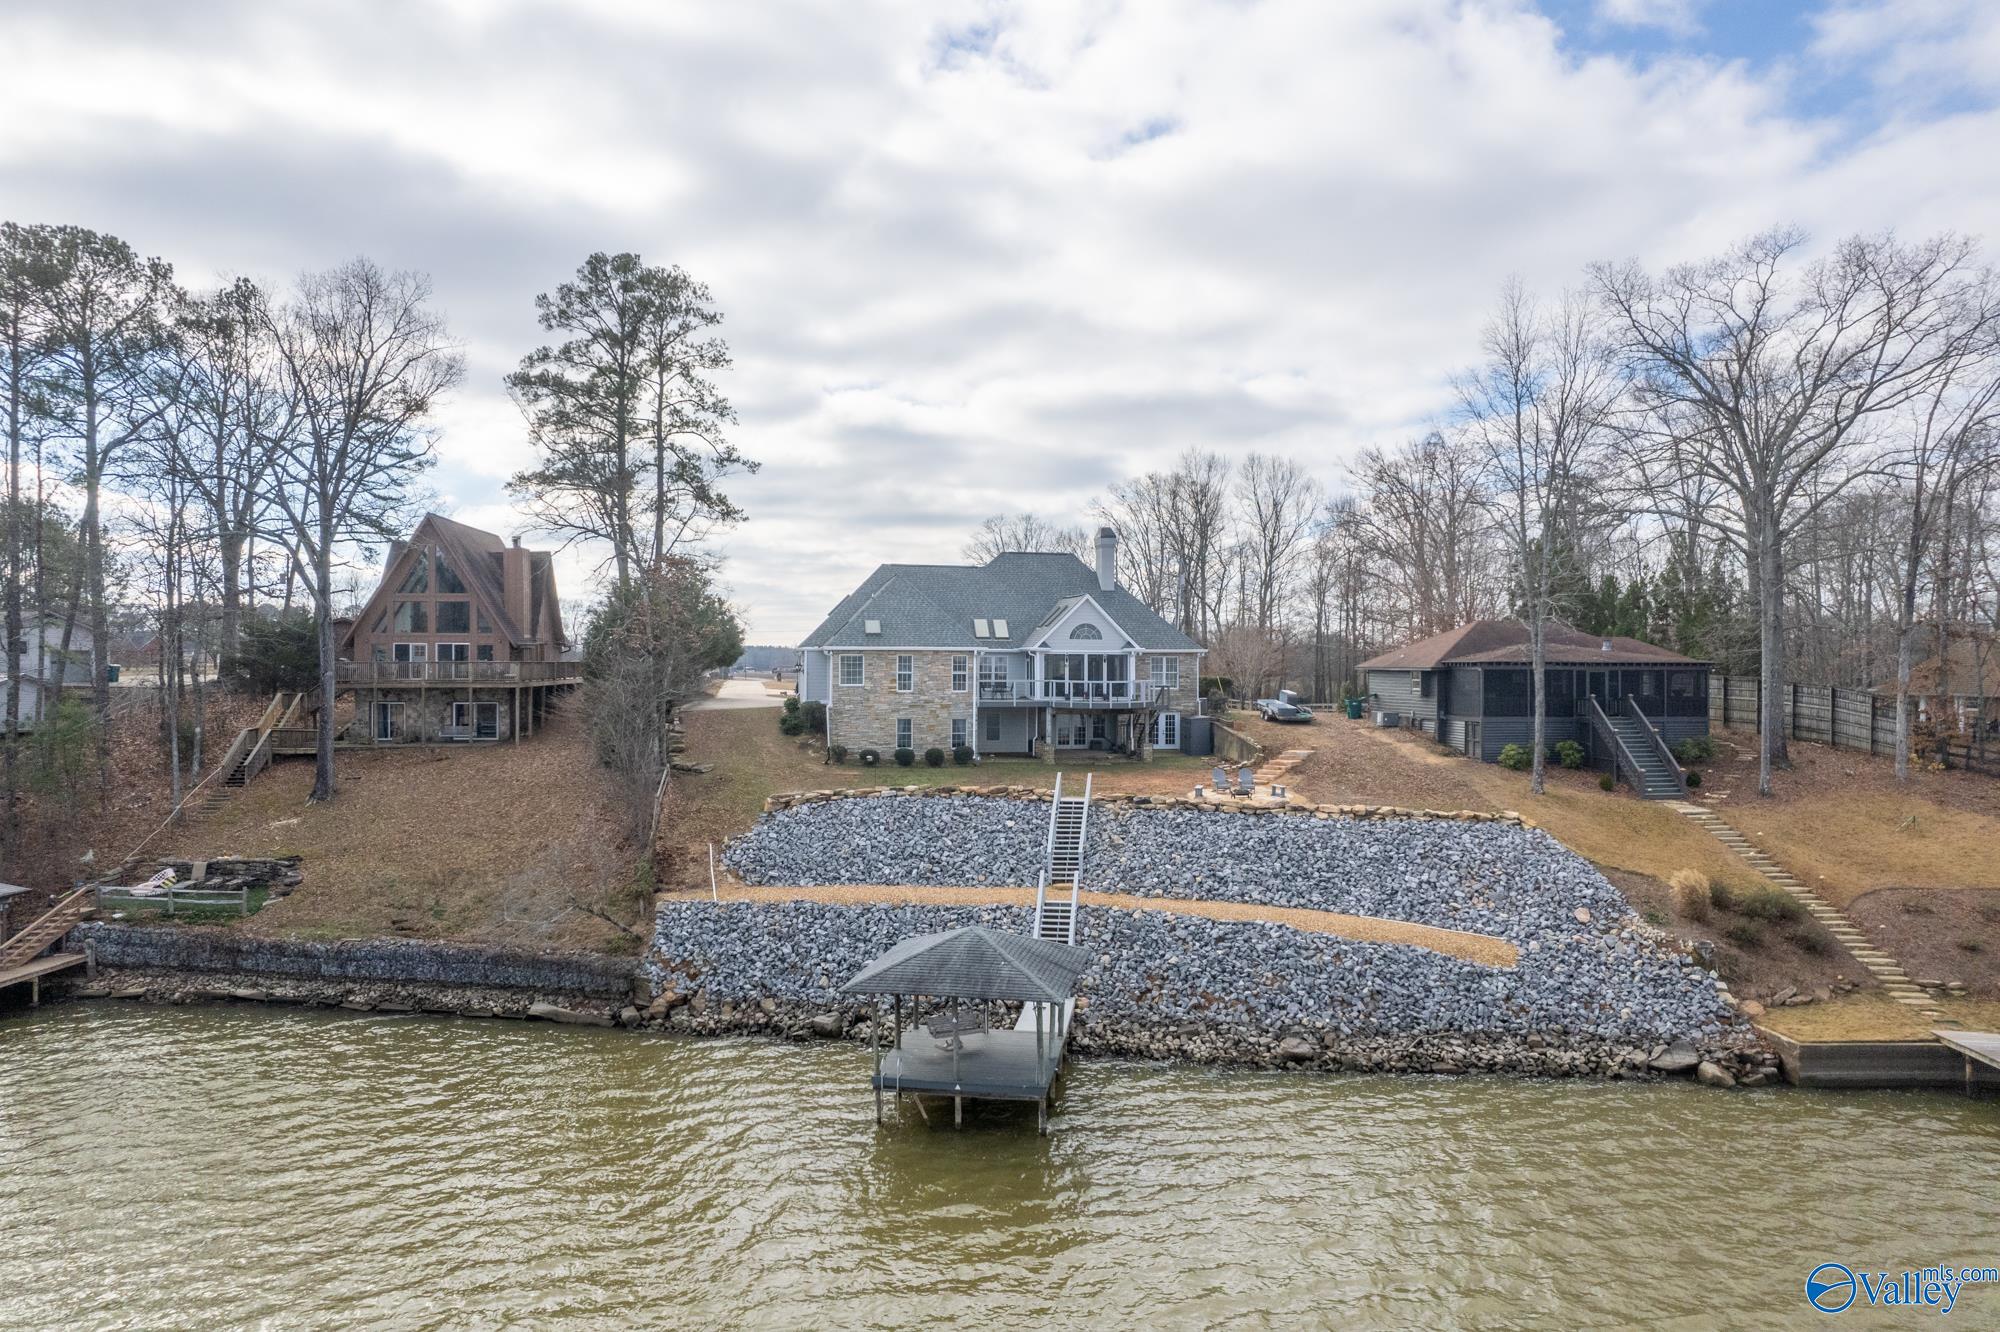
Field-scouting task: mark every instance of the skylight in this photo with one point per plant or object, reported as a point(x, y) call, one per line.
point(1000, 629)
point(979, 629)
point(871, 626)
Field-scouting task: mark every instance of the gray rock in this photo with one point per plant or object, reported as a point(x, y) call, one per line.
point(1297, 1049)
point(1713, 1075)
point(827, 1026)
point(577, 1017)
point(1679, 1058)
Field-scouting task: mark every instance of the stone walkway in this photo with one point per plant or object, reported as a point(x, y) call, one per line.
point(1485, 949)
point(1881, 966)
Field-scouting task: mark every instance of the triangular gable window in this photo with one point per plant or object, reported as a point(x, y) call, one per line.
point(447, 577)
point(418, 579)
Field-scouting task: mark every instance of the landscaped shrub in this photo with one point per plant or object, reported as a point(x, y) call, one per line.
point(1517, 757)
point(1690, 888)
point(792, 724)
point(1569, 753)
point(837, 752)
point(905, 757)
point(1694, 749)
point(1745, 934)
point(1769, 904)
point(812, 713)
point(961, 755)
point(934, 757)
point(1607, 783)
point(1693, 780)
point(870, 757)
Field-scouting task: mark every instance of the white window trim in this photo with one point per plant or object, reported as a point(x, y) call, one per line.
point(961, 673)
point(840, 670)
point(906, 733)
point(961, 731)
point(906, 673)
point(1166, 672)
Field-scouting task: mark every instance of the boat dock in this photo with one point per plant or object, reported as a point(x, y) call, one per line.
point(1976, 1048)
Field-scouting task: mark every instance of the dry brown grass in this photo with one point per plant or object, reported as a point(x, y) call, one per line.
point(1690, 889)
point(1847, 844)
point(1480, 948)
point(479, 843)
point(1870, 1015)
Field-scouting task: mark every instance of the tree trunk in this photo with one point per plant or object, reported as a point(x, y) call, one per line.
point(1770, 680)
point(231, 554)
point(323, 620)
point(1537, 781)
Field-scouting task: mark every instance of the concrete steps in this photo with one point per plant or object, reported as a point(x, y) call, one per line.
point(1888, 972)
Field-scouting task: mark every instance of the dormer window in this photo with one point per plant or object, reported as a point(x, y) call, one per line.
point(979, 629)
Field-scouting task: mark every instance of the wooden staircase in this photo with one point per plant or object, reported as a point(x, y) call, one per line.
point(243, 760)
point(46, 929)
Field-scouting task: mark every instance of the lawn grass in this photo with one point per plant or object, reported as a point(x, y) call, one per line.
point(1870, 1015)
point(145, 911)
point(753, 761)
point(1844, 845)
point(492, 844)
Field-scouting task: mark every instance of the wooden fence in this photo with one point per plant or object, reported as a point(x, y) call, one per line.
point(1842, 718)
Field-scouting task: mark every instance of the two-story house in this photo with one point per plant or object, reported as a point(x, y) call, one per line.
point(462, 640)
point(1031, 653)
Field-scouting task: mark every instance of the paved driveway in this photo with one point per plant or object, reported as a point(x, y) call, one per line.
point(738, 694)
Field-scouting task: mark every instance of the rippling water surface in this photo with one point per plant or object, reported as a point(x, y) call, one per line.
point(201, 1168)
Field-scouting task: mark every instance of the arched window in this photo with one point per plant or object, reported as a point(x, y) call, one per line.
point(1086, 631)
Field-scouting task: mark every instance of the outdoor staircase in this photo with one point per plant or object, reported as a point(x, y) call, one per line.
point(1657, 781)
point(1056, 898)
point(52, 925)
point(1885, 969)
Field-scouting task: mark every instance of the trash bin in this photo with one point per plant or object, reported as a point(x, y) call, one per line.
point(111, 672)
point(1354, 708)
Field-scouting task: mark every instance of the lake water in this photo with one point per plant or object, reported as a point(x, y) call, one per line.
point(235, 1167)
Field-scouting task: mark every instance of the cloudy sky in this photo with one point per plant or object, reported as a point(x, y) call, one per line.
point(980, 257)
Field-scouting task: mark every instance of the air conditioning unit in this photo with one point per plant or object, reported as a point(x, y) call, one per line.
point(1388, 719)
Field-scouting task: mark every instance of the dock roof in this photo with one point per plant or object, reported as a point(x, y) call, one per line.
point(974, 963)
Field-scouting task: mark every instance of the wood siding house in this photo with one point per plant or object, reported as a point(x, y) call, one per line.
point(462, 641)
point(1471, 687)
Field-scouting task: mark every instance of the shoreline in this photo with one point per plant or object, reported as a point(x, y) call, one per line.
point(1747, 1063)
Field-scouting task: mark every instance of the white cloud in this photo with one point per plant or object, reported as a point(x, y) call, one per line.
point(1679, 18)
point(974, 257)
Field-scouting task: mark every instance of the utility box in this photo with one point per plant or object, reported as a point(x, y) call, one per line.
point(1388, 719)
point(1197, 736)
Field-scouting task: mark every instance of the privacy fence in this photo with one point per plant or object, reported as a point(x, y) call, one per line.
point(1843, 718)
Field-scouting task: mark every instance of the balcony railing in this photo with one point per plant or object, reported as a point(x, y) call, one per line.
point(1075, 693)
point(457, 672)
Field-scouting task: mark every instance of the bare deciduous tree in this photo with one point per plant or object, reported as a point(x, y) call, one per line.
point(365, 360)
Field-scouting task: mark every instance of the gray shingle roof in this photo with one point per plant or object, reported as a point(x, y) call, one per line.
point(974, 963)
point(934, 605)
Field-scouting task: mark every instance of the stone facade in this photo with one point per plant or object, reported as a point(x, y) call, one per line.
point(864, 716)
point(427, 714)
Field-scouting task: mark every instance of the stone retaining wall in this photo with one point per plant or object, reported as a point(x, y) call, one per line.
point(408, 961)
point(796, 799)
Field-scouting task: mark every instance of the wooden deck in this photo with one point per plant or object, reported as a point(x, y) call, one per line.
point(31, 973)
point(1977, 1047)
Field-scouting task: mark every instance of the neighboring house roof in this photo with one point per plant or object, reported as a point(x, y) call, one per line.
point(934, 605)
point(1506, 641)
point(1973, 660)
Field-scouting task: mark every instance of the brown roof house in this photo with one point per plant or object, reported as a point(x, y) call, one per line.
point(462, 640)
point(1471, 688)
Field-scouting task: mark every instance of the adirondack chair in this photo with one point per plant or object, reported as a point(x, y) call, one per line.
point(1219, 780)
point(1245, 783)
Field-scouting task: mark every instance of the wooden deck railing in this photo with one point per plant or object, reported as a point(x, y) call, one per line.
point(457, 672)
